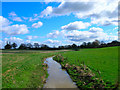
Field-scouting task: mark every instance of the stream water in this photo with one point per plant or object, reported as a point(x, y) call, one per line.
point(58, 78)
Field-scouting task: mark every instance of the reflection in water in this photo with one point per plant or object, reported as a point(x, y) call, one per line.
point(58, 78)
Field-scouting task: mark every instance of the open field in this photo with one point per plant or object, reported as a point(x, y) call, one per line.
point(24, 69)
point(29, 51)
point(104, 60)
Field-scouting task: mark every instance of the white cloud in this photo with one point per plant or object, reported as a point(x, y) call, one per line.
point(12, 29)
point(35, 15)
point(116, 28)
point(14, 39)
point(37, 25)
point(106, 10)
point(33, 19)
point(76, 25)
point(67, 7)
point(31, 37)
point(104, 13)
point(47, 11)
point(94, 29)
point(25, 18)
point(35, 37)
point(12, 14)
point(4, 22)
point(15, 29)
point(104, 21)
point(55, 34)
point(14, 17)
point(52, 42)
point(91, 35)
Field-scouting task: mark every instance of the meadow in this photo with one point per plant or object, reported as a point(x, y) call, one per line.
point(24, 69)
point(104, 60)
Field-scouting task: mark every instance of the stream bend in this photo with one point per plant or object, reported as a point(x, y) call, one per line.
point(58, 78)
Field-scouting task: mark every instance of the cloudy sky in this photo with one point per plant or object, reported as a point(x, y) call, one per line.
point(59, 23)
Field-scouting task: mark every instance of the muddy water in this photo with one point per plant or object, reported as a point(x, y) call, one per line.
point(58, 78)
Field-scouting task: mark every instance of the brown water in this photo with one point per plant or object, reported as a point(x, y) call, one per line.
point(58, 78)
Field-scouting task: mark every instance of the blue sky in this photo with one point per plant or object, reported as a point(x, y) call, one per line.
point(59, 23)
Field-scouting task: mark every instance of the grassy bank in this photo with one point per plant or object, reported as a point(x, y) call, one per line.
point(24, 69)
point(103, 62)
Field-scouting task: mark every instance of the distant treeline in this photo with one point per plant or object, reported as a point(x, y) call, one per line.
point(36, 46)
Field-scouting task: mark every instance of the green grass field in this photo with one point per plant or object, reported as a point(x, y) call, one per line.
point(103, 59)
point(24, 69)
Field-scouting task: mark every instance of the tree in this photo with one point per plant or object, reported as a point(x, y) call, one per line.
point(8, 46)
point(84, 44)
point(98, 42)
point(43, 46)
point(61, 47)
point(36, 45)
point(22, 46)
point(74, 46)
point(95, 43)
point(115, 43)
point(29, 45)
point(89, 45)
point(14, 45)
point(102, 42)
point(46, 47)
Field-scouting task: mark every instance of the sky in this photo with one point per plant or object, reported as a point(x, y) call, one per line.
point(58, 23)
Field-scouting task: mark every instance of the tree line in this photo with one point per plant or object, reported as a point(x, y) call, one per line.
point(37, 46)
